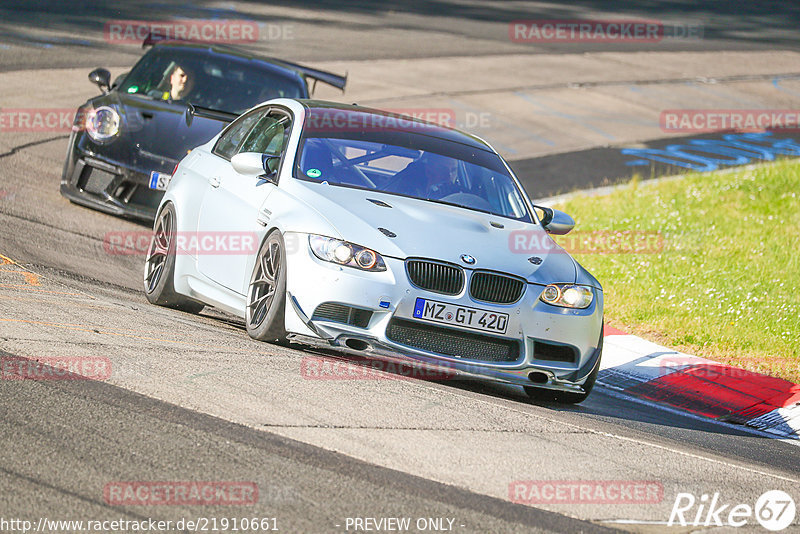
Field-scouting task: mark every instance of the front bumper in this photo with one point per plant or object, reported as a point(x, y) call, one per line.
point(110, 186)
point(384, 299)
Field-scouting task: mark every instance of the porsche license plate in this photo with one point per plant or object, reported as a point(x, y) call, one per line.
point(159, 180)
point(474, 318)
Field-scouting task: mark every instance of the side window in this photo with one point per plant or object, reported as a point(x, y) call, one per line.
point(270, 134)
point(229, 142)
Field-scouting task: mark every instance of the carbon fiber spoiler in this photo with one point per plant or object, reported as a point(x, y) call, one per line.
point(317, 75)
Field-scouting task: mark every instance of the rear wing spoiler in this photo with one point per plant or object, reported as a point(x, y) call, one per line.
point(318, 75)
point(315, 74)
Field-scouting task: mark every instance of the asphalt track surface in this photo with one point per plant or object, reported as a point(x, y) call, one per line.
point(191, 398)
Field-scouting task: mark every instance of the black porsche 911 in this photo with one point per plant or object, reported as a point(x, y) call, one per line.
point(126, 142)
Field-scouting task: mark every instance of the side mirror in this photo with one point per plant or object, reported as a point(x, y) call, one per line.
point(101, 78)
point(257, 164)
point(556, 222)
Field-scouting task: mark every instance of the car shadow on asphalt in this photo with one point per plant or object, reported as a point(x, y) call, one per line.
point(602, 403)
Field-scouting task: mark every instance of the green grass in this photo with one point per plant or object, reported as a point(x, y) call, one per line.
point(726, 284)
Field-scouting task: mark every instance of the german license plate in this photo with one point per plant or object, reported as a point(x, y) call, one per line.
point(159, 180)
point(474, 318)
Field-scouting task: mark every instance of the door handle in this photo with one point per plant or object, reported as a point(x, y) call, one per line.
point(214, 181)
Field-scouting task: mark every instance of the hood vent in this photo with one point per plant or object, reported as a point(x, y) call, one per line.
point(380, 203)
point(387, 233)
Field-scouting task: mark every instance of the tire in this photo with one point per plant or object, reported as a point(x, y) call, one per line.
point(266, 294)
point(567, 397)
point(159, 266)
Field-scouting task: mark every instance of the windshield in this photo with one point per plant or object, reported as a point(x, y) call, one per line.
point(407, 163)
point(209, 80)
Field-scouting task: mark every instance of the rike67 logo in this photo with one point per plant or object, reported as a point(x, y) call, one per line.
point(775, 510)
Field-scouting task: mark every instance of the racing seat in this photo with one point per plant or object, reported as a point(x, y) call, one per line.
point(410, 181)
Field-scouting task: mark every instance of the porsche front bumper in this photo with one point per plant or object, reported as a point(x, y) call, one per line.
point(93, 179)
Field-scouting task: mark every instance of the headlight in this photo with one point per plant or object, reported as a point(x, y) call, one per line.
point(568, 295)
point(102, 123)
point(344, 253)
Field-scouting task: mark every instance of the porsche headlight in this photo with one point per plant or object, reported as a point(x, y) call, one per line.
point(568, 295)
point(102, 123)
point(344, 253)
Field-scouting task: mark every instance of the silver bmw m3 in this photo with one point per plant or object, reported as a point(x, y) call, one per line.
point(383, 234)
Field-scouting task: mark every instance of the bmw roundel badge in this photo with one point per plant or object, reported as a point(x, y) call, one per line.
point(469, 260)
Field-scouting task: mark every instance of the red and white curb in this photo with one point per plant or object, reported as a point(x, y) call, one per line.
point(639, 368)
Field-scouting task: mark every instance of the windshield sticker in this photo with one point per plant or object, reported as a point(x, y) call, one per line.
point(313, 173)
